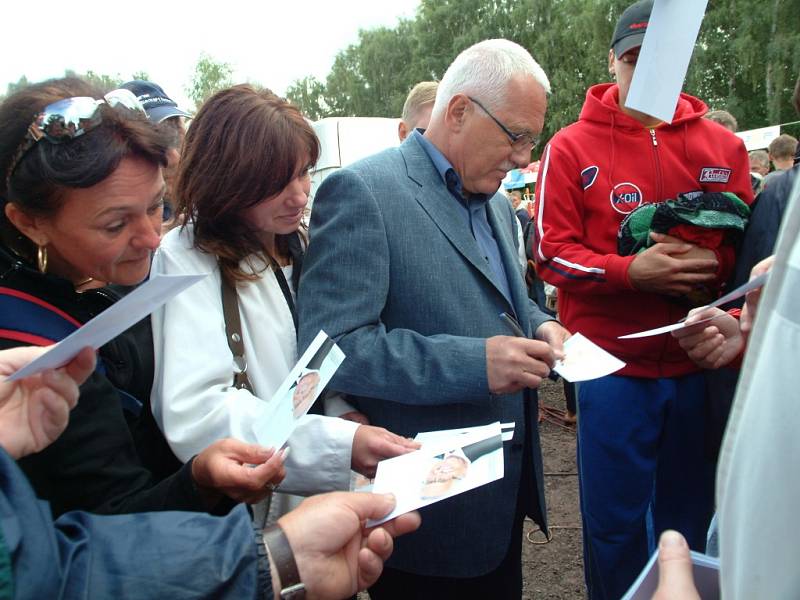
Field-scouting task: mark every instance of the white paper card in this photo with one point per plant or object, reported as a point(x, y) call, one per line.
point(298, 392)
point(111, 322)
point(440, 470)
point(584, 360)
point(666, 328)
point(706, 578)
point(664, 58)
point(739, 292)
point(428, 437)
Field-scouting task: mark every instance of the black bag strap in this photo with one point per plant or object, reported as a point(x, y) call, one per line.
point(287, 293)
point(233, 333)
point(296, 254)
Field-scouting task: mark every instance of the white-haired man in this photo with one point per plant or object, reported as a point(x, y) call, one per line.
point(412, 261)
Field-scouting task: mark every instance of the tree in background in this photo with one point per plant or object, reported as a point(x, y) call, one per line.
point(142, 75)
point(308, 92)
point(13, 87)
point(746, 60)
point(210, 76)
point(99, 80)
point(369, 78)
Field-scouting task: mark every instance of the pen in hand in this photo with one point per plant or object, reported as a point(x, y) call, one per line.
point(515, 328)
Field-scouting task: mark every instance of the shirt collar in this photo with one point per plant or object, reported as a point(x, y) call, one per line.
point(446, 171)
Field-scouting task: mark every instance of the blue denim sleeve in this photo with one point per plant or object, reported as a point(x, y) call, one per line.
point(177, 555)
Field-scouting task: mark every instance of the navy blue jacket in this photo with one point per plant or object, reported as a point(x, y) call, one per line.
point(177, 555)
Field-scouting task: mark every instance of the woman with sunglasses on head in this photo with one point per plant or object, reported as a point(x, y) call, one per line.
point(243, 184)
point(81, 189)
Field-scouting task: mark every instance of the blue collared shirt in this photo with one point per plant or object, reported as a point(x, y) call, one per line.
point(473, 208)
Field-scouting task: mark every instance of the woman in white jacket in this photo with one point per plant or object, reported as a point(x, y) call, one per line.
point(243, 184)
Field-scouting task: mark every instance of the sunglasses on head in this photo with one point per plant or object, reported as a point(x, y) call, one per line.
point(67, 119)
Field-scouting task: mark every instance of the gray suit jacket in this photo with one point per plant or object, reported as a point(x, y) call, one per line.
point(394, 275)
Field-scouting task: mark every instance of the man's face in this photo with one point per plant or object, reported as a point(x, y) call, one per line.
point(304, 393)
point(623, 68)
point(483, 153)
point(758, 167)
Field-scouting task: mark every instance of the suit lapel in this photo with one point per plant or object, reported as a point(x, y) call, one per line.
point(437, 202)
point(504, 235)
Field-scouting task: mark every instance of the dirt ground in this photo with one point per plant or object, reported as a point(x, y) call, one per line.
point(554, 570)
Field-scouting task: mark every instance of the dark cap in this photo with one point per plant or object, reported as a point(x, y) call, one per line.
point(631, 27)
point(155, 101)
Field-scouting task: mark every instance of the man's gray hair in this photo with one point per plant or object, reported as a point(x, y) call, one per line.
point(483, 70)
point(760, 157)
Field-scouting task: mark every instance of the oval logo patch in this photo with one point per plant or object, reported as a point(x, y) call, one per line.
point(588, 175)
point(625, 197)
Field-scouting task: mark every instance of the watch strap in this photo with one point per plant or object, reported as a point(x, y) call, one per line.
point(280, 552)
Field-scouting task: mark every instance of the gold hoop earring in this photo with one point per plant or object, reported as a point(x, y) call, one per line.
point(41, 259)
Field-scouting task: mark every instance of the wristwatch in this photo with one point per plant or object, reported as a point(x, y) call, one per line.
point(283, 558)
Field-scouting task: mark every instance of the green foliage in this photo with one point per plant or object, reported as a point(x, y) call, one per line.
point(142, 75)
point(368, 79)
point(13, 87)
point(746, 60)
point(307, 93)
point(104, 82)
point(210, 76)
point(99, 80)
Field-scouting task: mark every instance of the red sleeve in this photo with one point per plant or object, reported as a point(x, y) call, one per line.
point(562, 259)
point(736, 363)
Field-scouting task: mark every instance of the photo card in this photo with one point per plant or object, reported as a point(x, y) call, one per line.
point(298, 392)
point(441, 469)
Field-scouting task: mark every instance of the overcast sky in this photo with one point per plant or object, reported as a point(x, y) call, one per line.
point(267, 42)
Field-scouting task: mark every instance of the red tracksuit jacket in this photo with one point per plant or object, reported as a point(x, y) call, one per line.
point(593, 174)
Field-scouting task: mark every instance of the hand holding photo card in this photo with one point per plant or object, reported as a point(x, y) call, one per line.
point(441, 469)
point(740, 292)
point(298, 392)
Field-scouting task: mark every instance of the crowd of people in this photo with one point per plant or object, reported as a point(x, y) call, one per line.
point(136, 472)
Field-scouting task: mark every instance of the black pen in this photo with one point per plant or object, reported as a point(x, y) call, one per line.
point(513, 325)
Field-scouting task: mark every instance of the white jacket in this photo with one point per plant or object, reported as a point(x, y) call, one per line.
point(193, 400)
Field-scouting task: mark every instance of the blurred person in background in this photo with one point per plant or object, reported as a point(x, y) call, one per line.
point(417, 108)
point(161, 109)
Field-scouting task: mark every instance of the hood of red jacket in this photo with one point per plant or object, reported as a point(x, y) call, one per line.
point(602, 106)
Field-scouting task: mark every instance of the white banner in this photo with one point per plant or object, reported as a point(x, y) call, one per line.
point(755, 139)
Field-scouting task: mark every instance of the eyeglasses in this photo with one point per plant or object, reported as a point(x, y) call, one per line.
point(519, 140)
point(70, 118)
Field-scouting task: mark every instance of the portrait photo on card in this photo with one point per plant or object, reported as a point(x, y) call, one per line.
point(442, 469)
point(298, 392)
